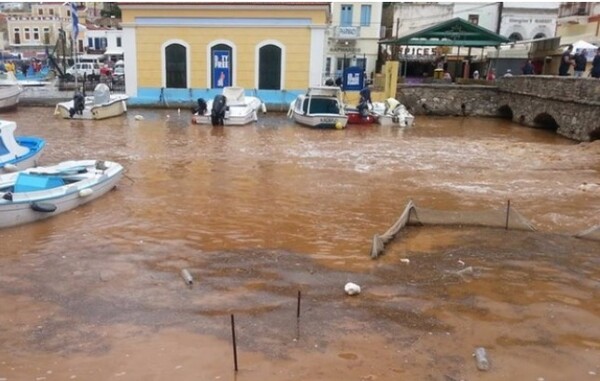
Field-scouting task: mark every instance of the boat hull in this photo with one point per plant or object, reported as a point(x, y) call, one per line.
point(398, 117)
point(354, 117)
point(35, 146)
point(115, 107)
point(235, 120)
point(21, 209)
point(237, 115)
point(9, 97)
point(325, 121)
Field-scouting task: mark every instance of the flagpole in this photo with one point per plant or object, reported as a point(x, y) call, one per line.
point(74, 33)
point(74, 45)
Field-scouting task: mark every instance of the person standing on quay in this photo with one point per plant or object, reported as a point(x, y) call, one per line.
point(565, 62)
point(528, 68)
point(580, 63)
point(596, 65)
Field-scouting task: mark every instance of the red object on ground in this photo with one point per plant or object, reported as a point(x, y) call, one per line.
point(354, 117)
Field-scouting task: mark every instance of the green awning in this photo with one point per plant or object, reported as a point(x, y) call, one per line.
point(455, 32)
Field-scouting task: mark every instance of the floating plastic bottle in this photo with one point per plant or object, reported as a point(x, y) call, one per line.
point(187, 277)
point(481, 358)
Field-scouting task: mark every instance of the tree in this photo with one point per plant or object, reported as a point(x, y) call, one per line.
point(111, 9)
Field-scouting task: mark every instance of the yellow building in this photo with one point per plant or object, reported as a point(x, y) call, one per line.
point(176, 53)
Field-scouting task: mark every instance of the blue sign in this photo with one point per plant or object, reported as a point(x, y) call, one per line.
point(221, 69)
point(353, 78)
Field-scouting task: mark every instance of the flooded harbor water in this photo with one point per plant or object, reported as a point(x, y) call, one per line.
point(257, 213)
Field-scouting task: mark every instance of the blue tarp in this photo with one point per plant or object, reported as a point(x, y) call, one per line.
point(30, 183)
point(3, 149)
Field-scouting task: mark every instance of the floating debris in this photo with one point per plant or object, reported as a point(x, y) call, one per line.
point(187, 277)
point(481, 359)
point(352, 288)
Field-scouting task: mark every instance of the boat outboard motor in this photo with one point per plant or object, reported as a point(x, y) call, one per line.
point(78, 104)
point(392, 106)
point(201, 109)
point(219, 107)
point(101, 94)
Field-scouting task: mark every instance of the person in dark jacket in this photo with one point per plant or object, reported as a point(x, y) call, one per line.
point(596, 65)
point(528, 68)
point(565, 61)
point(580, 62)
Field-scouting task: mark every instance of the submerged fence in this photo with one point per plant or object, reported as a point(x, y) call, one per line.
point(506, 218)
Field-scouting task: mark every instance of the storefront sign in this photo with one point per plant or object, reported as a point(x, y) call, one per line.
point(221, 69)
point(418, 50)
point(353, 78)
point(345, 49)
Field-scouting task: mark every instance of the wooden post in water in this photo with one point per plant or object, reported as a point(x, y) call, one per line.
point(235, 362)
point(298, 309)
point(507, 213)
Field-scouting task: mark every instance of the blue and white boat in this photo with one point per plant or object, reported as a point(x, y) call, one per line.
point(38, 193)
point(18, 153)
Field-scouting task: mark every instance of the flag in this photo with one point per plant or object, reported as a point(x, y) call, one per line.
point(75, 20)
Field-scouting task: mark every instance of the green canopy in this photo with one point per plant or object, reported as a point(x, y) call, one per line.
point(455, 32)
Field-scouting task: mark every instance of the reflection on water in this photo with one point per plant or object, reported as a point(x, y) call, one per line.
point(258, 211)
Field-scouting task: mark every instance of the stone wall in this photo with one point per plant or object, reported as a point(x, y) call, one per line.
point(570, 89)
point(449, 99)
point(569, 106)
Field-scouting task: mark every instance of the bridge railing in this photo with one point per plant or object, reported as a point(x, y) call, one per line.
point(570, 89)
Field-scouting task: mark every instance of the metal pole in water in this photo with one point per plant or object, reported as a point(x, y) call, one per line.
point(235, 362)
point(507, 213)
point(298, 309)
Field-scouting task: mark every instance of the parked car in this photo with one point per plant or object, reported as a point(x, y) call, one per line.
point(84, 68)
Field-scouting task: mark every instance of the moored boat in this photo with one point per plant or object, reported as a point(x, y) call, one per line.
point(320, 107)
point(231, 108)
point(101, 105)
point(38, 193)
point(392, 113)
point(18, 153)
point(356, 117)
point(10, 90)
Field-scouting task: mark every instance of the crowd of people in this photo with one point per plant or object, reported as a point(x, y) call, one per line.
point(578, 62)
point(25, 67)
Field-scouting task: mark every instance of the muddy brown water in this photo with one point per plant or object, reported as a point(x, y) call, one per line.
point(258, 213)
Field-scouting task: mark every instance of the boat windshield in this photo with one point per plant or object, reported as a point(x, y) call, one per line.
point(321, 106)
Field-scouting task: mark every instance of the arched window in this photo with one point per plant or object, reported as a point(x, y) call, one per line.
point(221, 64)
point(176, 66)
point(515, 37)
point(269, 67)
point(539, 35)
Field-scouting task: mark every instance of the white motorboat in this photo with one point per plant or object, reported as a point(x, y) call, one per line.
point(18, 153)
point(320, 107)
point(101, 105)
point(392, 113)
point(37, 193)
point(231, 108)
point(10, 90)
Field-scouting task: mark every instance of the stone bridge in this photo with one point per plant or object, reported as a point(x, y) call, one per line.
point(569, 106)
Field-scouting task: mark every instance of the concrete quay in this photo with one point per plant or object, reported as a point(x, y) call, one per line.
point(46, 94)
